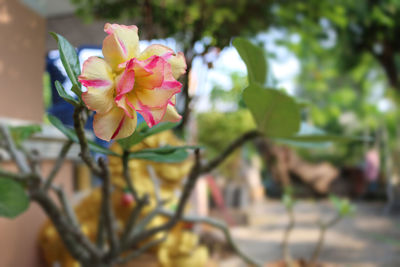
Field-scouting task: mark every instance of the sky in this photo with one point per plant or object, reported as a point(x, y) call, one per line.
point(284, 68)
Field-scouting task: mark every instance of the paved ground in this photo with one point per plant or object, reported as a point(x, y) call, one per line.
point(369, 239)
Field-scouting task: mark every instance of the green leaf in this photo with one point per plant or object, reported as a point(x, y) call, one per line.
point(343, 206)
point(71, 135)
point(13, 199)
point(288, 201)
point(169, 154)
point(70, 61)
point(254, 58)
point(68, 132)
point(288, 198)
point(310, 136)
point(143, 131)
point(63, 94)
point(276, 114)
point(21, 133)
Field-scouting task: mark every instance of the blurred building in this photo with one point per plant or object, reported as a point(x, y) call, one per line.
point(24, 44)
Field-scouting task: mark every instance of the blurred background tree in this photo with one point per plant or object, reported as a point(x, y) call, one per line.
point(195, 25)
point(354, 28)
point(348, 53)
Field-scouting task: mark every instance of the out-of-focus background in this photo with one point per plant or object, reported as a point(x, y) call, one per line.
point(341, 59)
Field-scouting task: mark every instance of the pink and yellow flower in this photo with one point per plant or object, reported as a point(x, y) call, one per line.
point(127, 81)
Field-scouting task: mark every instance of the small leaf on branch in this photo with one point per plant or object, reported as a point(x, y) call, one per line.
point(169, 154)
point(276, 114)
point(21, 133)
point(13, 198)
point(255, 59)
point(63, 94)
point(71, 135)
point(70, 61)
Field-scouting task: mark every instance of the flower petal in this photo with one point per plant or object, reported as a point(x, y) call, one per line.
point(126, 106)
point(150, 72)
point(152, 116)
point(121, 44)
point(177, 61)
point(157, 97)
point(98, 100)
point(171, 115)
point(97, 77)
point(113, 125)
point(126, 80)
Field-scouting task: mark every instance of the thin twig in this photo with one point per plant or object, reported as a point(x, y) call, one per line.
point(285, 244)
point(17, 155)
point(107, 208)
point(127, 175)
point(190, 183)
point(60, 160)
point(231, 148)
point(100, 232)
point(69, 212)
point(140, 201)
point(133, 218)
point(20, 178)
point(323, 228)
point(217, 224)
point(194, 174)
point(33, 160)
point(85, 151)
point(136, 253)
point(156, 185)
point(77, 243)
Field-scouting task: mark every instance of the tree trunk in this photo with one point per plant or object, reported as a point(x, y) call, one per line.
point(185, 92)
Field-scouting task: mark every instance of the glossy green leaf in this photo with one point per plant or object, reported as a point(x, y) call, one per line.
point(71, 135)
point(276, 114)
point(21, 133)
point(63, 94)
point(70, 61)
point(143, 131)
point(254, 58)
point(13, 198)
point(169, 154)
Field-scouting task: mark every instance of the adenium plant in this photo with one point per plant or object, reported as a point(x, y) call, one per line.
point(120, 85)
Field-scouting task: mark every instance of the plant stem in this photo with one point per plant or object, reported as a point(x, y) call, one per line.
point(230, 149)
point(60, 160)
point(107, 209)
point(76, 242)
point(69, 212)
point(20, 178)
point(85, 152)
point(194, 174)
point(323, 227)
point(136, 253)
point(191, 181)
point(217, 224)
point(17, 155)
point(127, 176)
point(285, 244)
